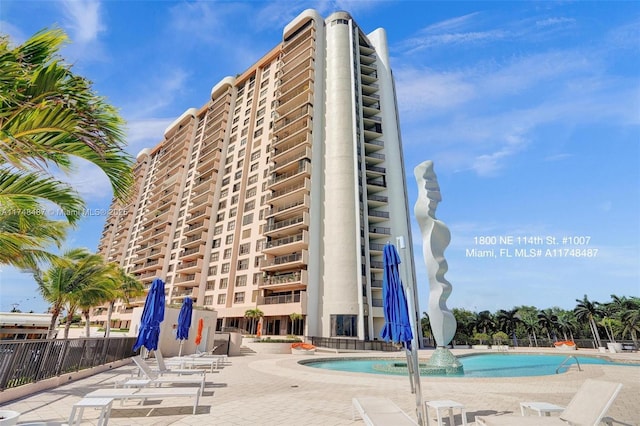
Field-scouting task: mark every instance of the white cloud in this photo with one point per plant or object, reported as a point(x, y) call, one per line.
point(83, 22)
point(146, 133)
point(548, 22)
point(159, 91)
point(83, 17)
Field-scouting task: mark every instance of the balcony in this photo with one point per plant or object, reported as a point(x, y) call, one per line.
point(286, 227)
point(194, 239)
point(279, 263)
point(186, 280)
point(289, 193)
point(379, 231)
point(285, 179)
point(290, 161)
point(377, 216)
point(291, 208)
point(190, 266)
point(293, 146)
point(376, 265)
point(291, 130)
point(287, 281)
point(283, 304)
point(288, 244)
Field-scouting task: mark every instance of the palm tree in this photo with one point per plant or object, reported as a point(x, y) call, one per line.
point(97, 291)
point(484, 321)
point(126, 287)
point(508, 321)
point(587, 311)
point(48, 117)
point(529, 320)
point(57, 283)
point(567, 323)
point(631, 324)
point(254, 315)
point(547, 321)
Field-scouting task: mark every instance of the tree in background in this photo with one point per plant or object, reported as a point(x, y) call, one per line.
point(508, 321)
point(588, 312)
point(48, 117)
point(126, 287)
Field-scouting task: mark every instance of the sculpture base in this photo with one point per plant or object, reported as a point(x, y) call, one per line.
point(442, 363)
point(442, 358)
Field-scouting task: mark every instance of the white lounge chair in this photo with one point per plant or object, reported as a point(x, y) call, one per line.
point(155, 379)
point(380, 411)
point(147, 393)
point(587, 407)
point(147, 370)
point(182, 362)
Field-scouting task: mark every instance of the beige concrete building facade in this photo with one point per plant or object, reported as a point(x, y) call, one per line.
point(280, 193)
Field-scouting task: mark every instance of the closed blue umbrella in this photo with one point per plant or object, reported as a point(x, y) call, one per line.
point(152, 316)
point(184, 321)
point(397, 327)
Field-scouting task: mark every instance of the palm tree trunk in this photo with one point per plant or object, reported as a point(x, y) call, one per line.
point(54, 319)
point(594, 331)
point(107, 324)
point(87, 325)
point(67, 326)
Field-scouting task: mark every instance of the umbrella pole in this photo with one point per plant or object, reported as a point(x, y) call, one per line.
point(416, 386)
point(180, 350)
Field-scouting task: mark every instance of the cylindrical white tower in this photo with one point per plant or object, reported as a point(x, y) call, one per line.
point(341, 211)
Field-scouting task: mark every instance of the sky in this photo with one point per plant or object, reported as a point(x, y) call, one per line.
point(530, 112)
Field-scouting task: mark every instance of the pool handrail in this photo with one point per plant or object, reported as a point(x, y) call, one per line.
point(567, 359)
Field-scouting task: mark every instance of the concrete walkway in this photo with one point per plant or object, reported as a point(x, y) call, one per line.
point(261, 389)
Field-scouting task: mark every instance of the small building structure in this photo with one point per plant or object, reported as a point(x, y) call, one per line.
point(22, 326)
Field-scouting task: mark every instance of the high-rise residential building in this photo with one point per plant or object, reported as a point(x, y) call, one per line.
point(280, 192)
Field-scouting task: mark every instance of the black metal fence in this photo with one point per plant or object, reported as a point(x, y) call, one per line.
point(353, 344)
point(28, 361)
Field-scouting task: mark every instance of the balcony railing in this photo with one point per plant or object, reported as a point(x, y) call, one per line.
point(286, 298)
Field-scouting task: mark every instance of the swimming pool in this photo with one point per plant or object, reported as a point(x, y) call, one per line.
point(484, 365)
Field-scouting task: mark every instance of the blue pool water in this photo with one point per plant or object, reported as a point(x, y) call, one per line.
point(487, 365)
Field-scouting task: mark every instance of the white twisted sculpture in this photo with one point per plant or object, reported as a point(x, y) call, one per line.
point(435, 239)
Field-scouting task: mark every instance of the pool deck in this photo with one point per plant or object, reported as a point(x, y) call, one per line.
point(267, 389)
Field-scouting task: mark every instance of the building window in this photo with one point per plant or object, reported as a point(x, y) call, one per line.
point(246, 233)
point(257, 279)
point(229, 239)
point(216, 243)
point(238, 297)
point(225, 268)
point(256, 261)
point(252, 179)
point(208, 300)
point(247, 219)
point(227, 254)
point(222, 299)
point(217, 230)
point(231, 225)
point(245, 248)
point(224, 283)
point(241, 280)
point(344, 325)
point(251, 192)
point(215, 256)
point(211, 285)
point(257, 133)
point(213, 270)
point(233, 212)
point(243, 264)
point(234, 200)
point(220, 217)
point(236, 187)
